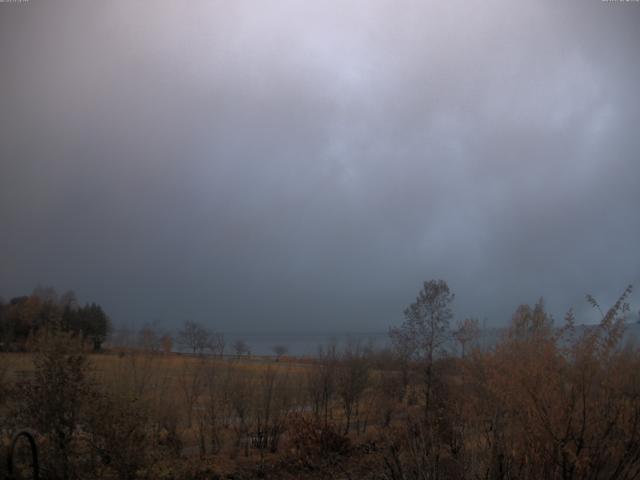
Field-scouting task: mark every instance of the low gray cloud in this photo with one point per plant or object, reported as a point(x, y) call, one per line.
point(306, 165)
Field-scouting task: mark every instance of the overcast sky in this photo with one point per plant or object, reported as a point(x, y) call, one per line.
point(305, 165)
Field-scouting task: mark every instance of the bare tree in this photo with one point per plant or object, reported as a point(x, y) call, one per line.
point(403, 351)
point(352, 380)
point(216, 343)
point(240, 400)
point(272, 405)
point(194, 337)
point(212, 414)
point(191, 382)
point(425, 329)
point(467, 331)
point(240, 347)
point(280, 350)
point(321, 382)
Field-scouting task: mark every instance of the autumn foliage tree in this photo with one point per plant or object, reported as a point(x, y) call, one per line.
point(547, 401)
point(565, 403)
point(425, 329)
point(22, 317)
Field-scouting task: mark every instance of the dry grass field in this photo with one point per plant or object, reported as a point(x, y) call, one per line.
point(545, 402)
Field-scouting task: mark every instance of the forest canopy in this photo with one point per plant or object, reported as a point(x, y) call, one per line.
point(23, 316)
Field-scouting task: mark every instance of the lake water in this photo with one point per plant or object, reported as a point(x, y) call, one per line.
point(303, 344)
point(306, 344)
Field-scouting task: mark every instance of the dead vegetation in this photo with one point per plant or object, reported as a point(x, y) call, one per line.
point(549, 401)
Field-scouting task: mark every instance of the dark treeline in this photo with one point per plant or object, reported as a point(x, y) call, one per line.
point(22, 317)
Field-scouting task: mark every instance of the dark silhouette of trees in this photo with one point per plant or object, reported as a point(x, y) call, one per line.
point(216, 344)
point(240, 348)
point(23, 317)
point(352, 378)
point(280, 350)
point(54, 401)
point(94, 324)
point(321, 383)
point(194, 337)
point(425, 329)
point(466, 332)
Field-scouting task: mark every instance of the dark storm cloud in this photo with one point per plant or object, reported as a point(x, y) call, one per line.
point(307, 165)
